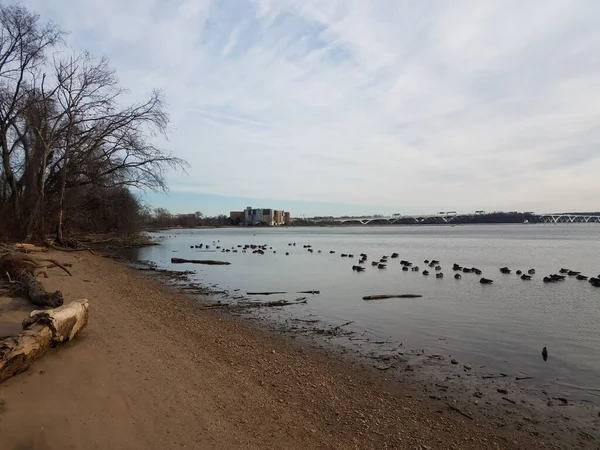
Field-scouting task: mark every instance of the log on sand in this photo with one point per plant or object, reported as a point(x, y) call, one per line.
point(43, 329)
point(385, 296)
point(208, 262)
point(36, 292)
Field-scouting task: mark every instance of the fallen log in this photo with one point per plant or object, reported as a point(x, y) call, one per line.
point(43, 329)
point(208, 262)
point(53, 246)
point(36, 292)
point(14, 263)
point(386, 296)
point(30, 248)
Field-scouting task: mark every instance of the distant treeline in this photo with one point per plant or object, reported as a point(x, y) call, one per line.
point(498, 217)
point(162, 218)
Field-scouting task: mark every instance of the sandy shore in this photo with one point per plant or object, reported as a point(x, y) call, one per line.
point(153, 370)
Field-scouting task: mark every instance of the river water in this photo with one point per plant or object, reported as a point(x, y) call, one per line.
point(502, 326)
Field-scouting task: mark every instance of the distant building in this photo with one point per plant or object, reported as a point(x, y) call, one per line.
point(235, 215)
point(260, 216)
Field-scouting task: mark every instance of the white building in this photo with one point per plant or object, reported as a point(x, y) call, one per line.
point(263, 216)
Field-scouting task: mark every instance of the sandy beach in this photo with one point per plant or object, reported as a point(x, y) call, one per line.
point(154, 370)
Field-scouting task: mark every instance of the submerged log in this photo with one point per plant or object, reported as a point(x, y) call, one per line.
point(309, 292)
point(36, 292)
point(208, 262)
point(385, 296)
point(282, 303)
point(266, 293)
point(43, 329)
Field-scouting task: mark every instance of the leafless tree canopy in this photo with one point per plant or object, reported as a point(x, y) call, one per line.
point(65, 132)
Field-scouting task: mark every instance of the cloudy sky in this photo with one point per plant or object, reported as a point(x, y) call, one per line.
point(363, 106)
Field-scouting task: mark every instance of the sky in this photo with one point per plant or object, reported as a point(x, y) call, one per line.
point(331, 107)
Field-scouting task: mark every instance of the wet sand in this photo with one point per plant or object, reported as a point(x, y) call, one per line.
point(155, 370)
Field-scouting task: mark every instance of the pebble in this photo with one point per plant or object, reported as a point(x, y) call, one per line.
point(454, 361)
point(467, 367)
point(502, 391)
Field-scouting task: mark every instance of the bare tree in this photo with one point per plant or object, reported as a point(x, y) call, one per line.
point(65, 126)
point(23, 44)
point(100, 142)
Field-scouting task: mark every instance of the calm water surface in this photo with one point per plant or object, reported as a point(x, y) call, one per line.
point(503, 326)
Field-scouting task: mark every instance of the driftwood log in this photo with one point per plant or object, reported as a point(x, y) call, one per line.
point(43, 329)
point(208, 262)
point(385, 296)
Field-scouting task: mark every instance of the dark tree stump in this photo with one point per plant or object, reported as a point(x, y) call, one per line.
point(36, 292)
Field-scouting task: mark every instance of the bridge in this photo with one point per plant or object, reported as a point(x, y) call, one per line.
point(445, 218)
point(568, 218)
point(439, 218)
point(415, 219)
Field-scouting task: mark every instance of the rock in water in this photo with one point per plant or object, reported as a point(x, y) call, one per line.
point(545, 354)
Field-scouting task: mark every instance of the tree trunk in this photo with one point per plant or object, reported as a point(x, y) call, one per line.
point(36, 292)
point(43, 329)
point(8, 173)
point(61, 192)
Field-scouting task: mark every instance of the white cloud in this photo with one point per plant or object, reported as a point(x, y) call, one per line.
point(414, 105)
